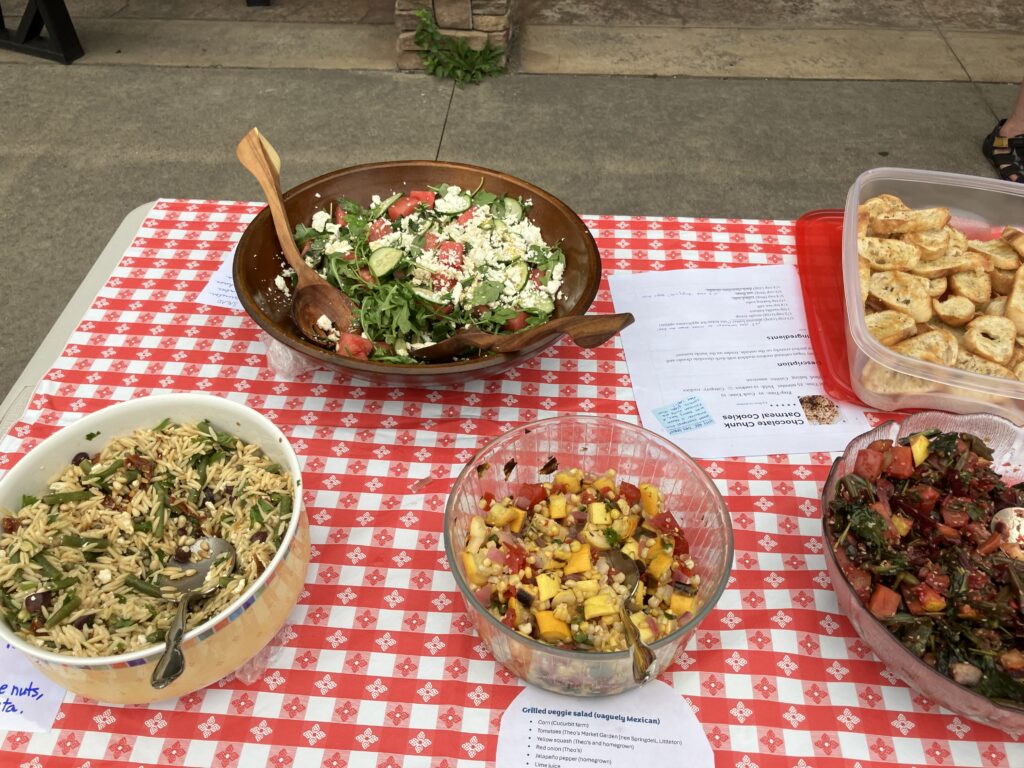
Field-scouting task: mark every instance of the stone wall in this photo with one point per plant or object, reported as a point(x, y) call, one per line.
point(477, 21)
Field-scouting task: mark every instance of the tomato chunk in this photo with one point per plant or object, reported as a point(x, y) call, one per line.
point(515, 558)
point(466, 215)
point(378, 229)
point(354, 345)
point(529, 495)
point(425, 196)
point(630, 493)
point(515, 323)
point(884, 602)
point(869, 464)
point(902, 464)
point(340, 217)
point(403, 206)
point(450, 254)
point(430, 241)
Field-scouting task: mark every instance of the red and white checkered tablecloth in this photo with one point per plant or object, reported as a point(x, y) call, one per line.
point(379, 665)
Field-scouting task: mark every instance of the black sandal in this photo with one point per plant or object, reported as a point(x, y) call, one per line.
point(1006, 154)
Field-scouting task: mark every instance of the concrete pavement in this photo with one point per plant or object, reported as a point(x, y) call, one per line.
point(81, 146)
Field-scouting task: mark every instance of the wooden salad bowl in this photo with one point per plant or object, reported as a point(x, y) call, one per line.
point(258, 262)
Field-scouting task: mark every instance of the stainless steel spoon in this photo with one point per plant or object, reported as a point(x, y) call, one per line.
point(643, 656)
point(190, 588)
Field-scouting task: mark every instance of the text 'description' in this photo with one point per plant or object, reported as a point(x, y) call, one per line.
point(646, 726)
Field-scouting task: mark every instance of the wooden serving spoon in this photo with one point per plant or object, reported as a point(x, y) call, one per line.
point(584, 330)
point(313, 296)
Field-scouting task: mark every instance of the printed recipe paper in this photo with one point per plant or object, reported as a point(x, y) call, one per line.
point(722, 365)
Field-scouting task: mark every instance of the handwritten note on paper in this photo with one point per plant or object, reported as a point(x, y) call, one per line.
point(28, 700)
point(650, 726)
point(220, 290)
point(721, 363)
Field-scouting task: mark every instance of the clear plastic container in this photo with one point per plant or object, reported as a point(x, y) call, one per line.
point(593, 444)
point(980, 208)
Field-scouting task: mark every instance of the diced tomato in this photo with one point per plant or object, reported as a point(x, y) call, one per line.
point(378, 229)
point(449, 253)
point(467, 215)
point(515, 323)
point(403, 206)
point(881, 445)
point(488, 498)
point(884, 602)
point(927, 497)
point(902, 464)
point(630, 493)
point(588, 495)
point(516, 558)
point(869, 464)
point(947, 532)
point(509, 619)
point(425, 196)
point(680, 546)
point(366, 275)
point(859, 579)
point(441, 283)
point(529, 495)
point(663, 522)
point(340, 217)
point(430, 241)
point(354, 345)
point(954, 511)
point(538, 277)
point(479, 309)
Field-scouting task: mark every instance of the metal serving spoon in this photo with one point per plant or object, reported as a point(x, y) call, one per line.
point(314, 297)
point(190, 588)
point(643, 656)
point(584, 330)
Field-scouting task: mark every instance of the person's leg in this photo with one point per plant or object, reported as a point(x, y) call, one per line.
point(1007, 160)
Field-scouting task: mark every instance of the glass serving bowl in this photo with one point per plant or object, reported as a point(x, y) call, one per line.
point(1007, 443)
point(594, 444)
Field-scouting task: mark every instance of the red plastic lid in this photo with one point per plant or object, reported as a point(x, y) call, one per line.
point(819, 248)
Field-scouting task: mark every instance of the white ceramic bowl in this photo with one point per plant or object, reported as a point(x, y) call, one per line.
point(226, 641)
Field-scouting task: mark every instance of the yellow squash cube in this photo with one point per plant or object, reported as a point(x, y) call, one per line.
point(551, 629)
point(569, 481)
point(650, 499)
point(579, 562)
point(639, 620)
point(600, 605)
point(547, 585)
point(681, 604)
point(556, 506)
point(660, 565)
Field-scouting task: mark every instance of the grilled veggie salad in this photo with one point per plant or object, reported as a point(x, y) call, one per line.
point(534, 560)
point(930, 537)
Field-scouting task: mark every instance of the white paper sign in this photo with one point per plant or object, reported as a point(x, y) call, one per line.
point(722, 365)
point(648, 726)
point(28, 700)
point(220, 290)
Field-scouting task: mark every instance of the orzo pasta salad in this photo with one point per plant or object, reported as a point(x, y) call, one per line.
point(534, 561)
point(80, 561)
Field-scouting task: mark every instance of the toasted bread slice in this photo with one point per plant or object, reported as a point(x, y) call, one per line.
point(974, 285)
point(1002, 280)
point(957, 241)
point(935, 347)
point(1002, 255)
point(903, 221)
point(1015, 237)
point(864, 272)
point(885, 381)
point(891, 327)
point(931, 244)
point(1016, 359)
point(956, 310)
point(885, 254)
point(903, 293)
point(966, 361)
point(937, 286)
point(1015, 301)
point(991, 337)
point(996, 307)
point(951, 262)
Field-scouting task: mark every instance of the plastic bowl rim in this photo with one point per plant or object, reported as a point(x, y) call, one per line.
point(142, 403)
point(676, 635)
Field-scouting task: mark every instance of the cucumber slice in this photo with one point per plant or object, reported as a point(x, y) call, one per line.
point(540, 302)
point(426, 294)
point(460, 205)
point(379, 210)
point(518, 274)
point(513, 210)
point(383, 260)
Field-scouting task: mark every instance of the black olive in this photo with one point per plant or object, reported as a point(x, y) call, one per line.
point(79, 458)
point(182, 555)
point(35, 603)
point(182, 531)
point(524, 597)
point(259, 536)
point(84, 621)
point(208, 495)
point(230, 491)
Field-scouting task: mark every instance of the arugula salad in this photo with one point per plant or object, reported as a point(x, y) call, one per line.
point(423, 264)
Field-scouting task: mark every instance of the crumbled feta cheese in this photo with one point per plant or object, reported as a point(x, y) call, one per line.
point(334, 229)
point(338, 246)
point(452, 201)
point(324, 323)
point(104, 576)
point(320, 220)
point(282, 286)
